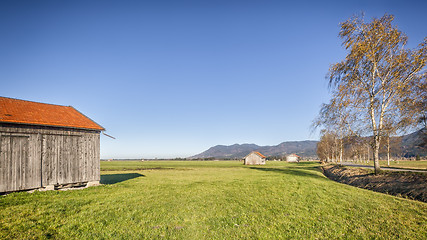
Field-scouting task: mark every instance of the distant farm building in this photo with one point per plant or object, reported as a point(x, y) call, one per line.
point(46, 146)
point(292, 158)
point(254, 158)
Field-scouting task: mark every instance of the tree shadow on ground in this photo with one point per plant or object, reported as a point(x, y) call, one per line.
point(297, 171)
point(304, 164)
point(116, 178)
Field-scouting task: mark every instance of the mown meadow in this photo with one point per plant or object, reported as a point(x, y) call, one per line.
point(211, 200)
point(420, 164)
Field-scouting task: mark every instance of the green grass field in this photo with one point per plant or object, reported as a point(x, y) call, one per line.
point(421, 164)
point(408, 164)
point(212, 200)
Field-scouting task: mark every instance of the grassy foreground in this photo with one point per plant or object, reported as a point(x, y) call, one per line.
point(212, 200)
point(421, 164)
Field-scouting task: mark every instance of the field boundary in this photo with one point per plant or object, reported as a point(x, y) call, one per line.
point(402, 184)
point(351, 164)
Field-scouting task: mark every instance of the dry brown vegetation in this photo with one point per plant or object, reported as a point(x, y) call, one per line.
point(405, 184)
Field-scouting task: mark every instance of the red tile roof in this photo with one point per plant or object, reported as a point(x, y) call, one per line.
point(34, 113)
point(259, 154)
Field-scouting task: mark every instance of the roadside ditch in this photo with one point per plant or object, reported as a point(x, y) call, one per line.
point(402, 184)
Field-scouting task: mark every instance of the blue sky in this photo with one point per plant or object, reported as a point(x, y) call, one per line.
point(173, 78)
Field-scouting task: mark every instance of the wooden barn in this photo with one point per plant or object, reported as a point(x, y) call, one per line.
point(255, 158)
point(46, 146)
point(292, 158)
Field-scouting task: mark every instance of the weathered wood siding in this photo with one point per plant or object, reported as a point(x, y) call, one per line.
point(33, 157)
point(254, 159)
point(292, 158)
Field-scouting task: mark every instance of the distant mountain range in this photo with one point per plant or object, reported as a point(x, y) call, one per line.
point(414, 143)
point(410, 145)
point(301, 148)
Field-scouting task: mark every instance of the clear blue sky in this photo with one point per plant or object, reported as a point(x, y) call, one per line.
point(173, 78)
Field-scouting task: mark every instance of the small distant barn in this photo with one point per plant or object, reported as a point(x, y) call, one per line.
point(254, 158)
point(46, 146)
point(292, 158)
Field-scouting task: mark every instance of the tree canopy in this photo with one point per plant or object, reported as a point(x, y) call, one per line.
point(379, 88)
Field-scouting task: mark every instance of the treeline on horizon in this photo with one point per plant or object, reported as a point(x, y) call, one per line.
point(332, 148)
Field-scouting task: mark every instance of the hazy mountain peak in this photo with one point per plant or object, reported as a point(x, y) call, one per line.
point(302, 148)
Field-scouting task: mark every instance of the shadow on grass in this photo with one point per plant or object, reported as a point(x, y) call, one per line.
point(116, 178)
point(297, 171)
point(305, 163)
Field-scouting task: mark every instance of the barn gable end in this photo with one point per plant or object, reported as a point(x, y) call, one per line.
point(254, 158)
point(292, 158)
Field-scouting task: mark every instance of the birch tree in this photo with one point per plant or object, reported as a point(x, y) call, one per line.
point(327, 149)
point(378, 77)
point(335, 118)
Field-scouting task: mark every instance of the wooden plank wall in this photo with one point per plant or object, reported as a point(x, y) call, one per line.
point(34, 157)
point(70, 159)
point(19, 162)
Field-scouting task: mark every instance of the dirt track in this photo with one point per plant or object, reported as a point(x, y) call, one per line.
point(405, 184)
